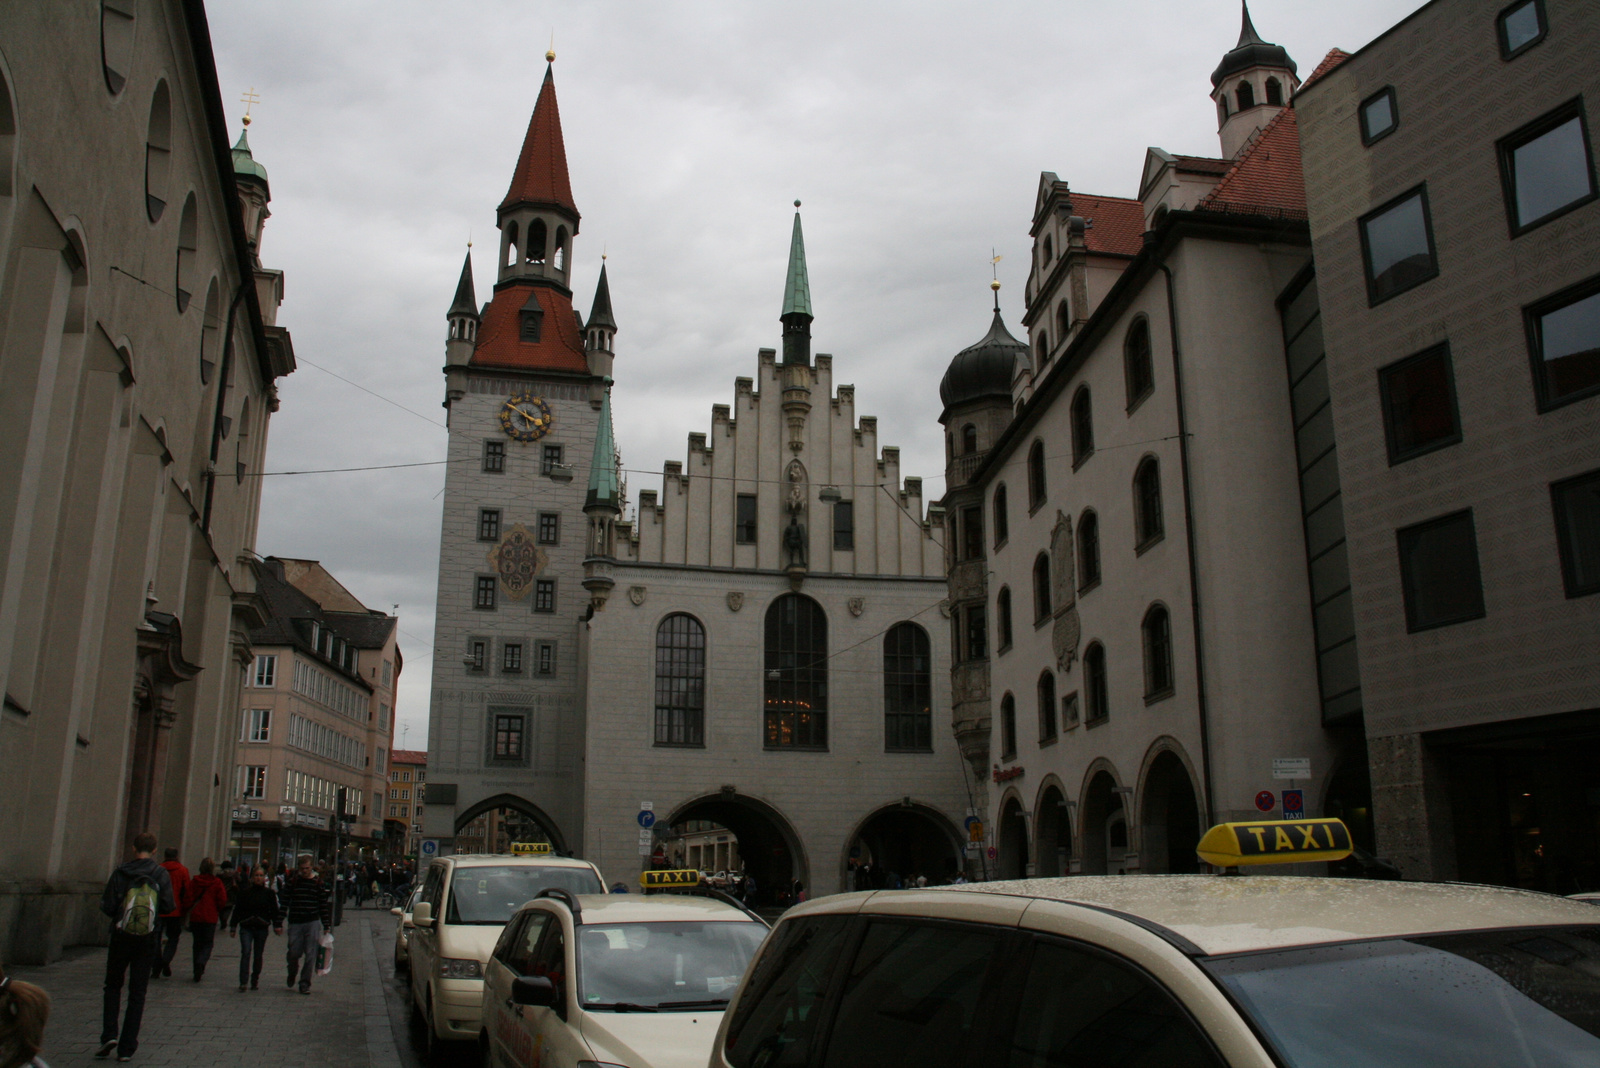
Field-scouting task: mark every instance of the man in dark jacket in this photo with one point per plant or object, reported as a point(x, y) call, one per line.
point(172, 922)
point(135, 942)
point(308, 908)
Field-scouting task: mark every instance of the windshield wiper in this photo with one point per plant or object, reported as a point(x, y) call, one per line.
point(621, 1006)
point(709, 1003)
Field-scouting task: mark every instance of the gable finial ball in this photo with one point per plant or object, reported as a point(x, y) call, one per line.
point(550, 56)
point(995, 285)
point(797, 203)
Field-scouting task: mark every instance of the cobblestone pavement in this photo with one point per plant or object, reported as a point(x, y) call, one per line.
point(353, 1018)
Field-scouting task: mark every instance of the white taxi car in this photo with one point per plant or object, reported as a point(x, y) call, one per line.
point(466, 900)
point(1177, 972)
point(639, 981)
point(402, 930)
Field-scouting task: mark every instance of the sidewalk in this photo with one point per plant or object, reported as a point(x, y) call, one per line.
point(344, 1023)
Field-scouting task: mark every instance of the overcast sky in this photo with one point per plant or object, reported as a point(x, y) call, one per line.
point(914, 133)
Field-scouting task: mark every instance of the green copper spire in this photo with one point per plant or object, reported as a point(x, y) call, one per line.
point(605, 490)
point(797, 287)
point(245, 165)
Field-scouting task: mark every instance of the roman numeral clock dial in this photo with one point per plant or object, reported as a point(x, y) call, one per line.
point(525, 417)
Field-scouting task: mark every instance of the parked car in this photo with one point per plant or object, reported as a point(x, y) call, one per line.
point(402, 931)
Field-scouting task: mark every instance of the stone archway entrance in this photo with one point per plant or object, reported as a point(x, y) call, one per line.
point(762, 840)
point(1171, 819)
point(1105, 827)
point(508, 817)
point(1054, 826)
point(1012, 837)
point(898, 843)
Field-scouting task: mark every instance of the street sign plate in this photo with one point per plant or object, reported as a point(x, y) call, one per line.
point(429, 847)
point(1265, 800)
point(646, 837)
point(646, 818)
point(1291, 767)
point(644, 849)
point(647, 806)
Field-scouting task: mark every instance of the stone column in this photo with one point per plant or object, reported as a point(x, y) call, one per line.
point(1411, 807)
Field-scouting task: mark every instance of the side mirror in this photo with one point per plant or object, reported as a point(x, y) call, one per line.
point(422, 914)
point(535, 990)
point(397, 911)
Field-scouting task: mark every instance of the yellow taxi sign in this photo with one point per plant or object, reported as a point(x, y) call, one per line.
point(659, 880)
point(525, 848)
point(1229, 845)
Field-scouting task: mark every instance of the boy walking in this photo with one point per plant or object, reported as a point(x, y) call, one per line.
point(308, 908)
point(137, 893)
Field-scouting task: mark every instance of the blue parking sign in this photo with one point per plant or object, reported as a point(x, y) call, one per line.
point(1294, 804)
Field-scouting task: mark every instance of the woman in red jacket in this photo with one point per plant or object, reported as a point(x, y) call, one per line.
point(203, 900)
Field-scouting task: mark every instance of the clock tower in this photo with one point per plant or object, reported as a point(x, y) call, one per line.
point(525, 389)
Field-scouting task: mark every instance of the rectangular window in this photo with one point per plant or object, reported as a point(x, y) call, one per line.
point(977, 633)
point(549, 459)
point(485, 596)
point(744, 523)
point(1397, 245)
point(1547, 168)
point(1564, 342)
point(488, 524)
point(266, 676)
point(1520, 27)
point(258, 725)
point(511, 657)
point(549, 528)
point(1419, 404)
point(508, 737)
point(1577, 511)
point(255, 781)
point(383, 716)
point(972, 533)
point(494, 456)
point(544, 595)
point(1379, 116)
point(546, 653)
point(1439, 572)
point(477, 652)
point(844, 525)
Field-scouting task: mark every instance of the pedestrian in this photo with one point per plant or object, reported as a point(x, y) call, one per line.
point(172, 922)
point(308, 907)
point(230, 883)
point(136, 895)
point(204, 901)
point(255, 909)
point(24, 1008)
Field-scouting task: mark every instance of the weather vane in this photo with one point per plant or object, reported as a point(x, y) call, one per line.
point(994, 270)
point(249, 100)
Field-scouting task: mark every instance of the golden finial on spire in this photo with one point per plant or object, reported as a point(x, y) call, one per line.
point(550, 56)
point(249, 100)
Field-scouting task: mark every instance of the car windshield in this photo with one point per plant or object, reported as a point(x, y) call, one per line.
point(663, 966)
point(489, 895)
point(1522, 998)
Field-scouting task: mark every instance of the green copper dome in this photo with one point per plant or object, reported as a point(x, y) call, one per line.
point(245, 166)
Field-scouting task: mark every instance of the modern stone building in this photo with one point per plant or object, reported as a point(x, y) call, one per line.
point(1450, 177)
point(1145, 598)
point(316, 717)
point(762, 648)
point(139, 352)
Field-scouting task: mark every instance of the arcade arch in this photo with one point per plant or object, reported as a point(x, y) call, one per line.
point(768, 847)
point(904, 839)
point(1052, 822)
point(1169, 813)
point(1012, 837)
point(1105, 823)
point(520, 816)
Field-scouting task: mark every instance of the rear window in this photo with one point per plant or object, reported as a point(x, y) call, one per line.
point(489, 895)
point(776, 1019)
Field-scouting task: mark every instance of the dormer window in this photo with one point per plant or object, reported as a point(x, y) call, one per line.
point(531, 320)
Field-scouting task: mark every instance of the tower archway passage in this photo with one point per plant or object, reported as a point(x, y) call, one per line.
point(1170, 816)
point(1054, 824)
point(900, 842)
point(1012, 838)
point(1104, 825)
point(512, 814)
point(764, 841)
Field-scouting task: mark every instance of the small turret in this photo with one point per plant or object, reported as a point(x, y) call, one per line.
point(1254, 82)
point(463, 318)
point(601, 328)
point(603, 505)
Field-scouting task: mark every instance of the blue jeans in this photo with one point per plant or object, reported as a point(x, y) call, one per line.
point(252, 946)
point(303, 951)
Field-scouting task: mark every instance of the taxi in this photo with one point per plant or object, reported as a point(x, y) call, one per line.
point(402, 930)
point(637, 981)
point(464, 903)
point(1177, 971)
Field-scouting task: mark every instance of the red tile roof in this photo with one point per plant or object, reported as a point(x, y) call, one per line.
point(541, 175)
point(1265, 179)
point(1116, 224)
point(1201, 164)
point(1329, 61)
point(408, 756)
point(559, 348)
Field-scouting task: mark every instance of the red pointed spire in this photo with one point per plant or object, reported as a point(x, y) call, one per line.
point(541, 175)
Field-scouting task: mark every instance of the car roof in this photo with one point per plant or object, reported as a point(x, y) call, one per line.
point(1223, 914)
point(648, 908)
point(518, 860)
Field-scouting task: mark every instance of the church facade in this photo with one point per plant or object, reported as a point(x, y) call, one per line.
point(763, 647)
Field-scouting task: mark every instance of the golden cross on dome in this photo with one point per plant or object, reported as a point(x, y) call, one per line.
point(250, 99)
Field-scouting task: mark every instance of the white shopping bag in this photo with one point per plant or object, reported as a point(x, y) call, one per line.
point(325, 953)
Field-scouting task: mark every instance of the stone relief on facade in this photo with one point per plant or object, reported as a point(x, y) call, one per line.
point(636, 594)
point(1067, 630)
point(857, 605)
point(944, 608)
point(516, 559)
point(735, 600)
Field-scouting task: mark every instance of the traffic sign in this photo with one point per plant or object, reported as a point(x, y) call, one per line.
point(994, 854)
point(970, 820)
point(1291, 767)
point(1294, 804)
point(974, 830)
point(647, 806)
point(429, 847)
point(647, 819)
point(1265, 800)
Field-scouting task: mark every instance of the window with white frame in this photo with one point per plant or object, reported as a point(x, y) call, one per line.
point(266, 674)
point(257, 725)
point(253, 781)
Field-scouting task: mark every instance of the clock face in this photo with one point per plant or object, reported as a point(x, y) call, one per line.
point(526, 417)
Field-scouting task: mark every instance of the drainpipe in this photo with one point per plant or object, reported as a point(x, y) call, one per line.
point(223, 366)
point(1188, 530)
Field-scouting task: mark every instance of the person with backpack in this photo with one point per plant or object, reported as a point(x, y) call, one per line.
point(255, 910)
point(172, 922)
point(136, 896)
point(204, 900)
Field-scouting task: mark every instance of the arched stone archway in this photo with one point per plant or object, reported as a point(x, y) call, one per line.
point(1169, 813)
point(1012, 837)
point(904, 839)
point(1104, 843)
point(1052, 822)
point(768, 847)
point(533, 812)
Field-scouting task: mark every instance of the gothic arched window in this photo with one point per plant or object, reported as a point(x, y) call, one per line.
point(907, 689)
point(1274, 92)
point(1082, 426)
point(538, 237)
point(969, 440)
point(1002, 618)
point(796, 674)
point(1147, 503)
point(1063, 319)
point(1097, 705)
point(680, 681)
point(1246, 95)
point(1036, 476)
point(1137, 368)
